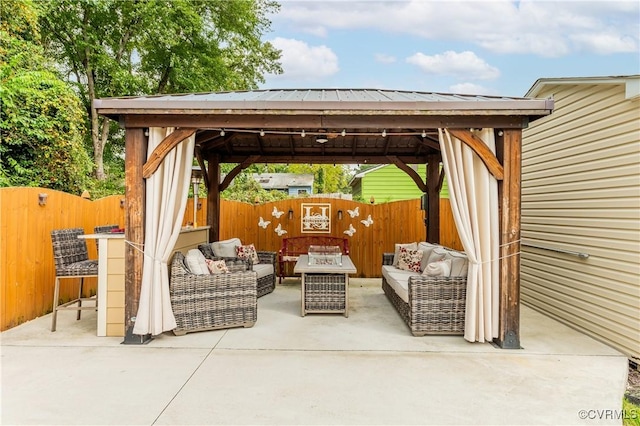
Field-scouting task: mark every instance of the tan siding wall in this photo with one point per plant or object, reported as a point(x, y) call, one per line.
point(581, 192)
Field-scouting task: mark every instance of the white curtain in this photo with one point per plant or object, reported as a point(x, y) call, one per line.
point(473, 193)
point(167, 191)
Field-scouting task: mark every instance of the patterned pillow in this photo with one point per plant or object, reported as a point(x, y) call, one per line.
point(409, 260)
point(248, 252)
point(217, 266)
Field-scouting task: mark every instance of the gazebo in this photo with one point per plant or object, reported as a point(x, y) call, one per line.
point(476, 138)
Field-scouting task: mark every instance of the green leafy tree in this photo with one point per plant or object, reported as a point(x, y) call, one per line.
point(327, 178)
point(116, 48)
point(41, 120)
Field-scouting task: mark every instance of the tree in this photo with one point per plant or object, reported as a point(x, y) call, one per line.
point(117, 48)
point(41, 120)
point(327, 178)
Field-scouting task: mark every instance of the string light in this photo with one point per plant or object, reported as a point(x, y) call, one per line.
point(262, 133)
point(222, 132)
point(424, 134)
point(302, 134)
point(344, 133)
point(384, 133)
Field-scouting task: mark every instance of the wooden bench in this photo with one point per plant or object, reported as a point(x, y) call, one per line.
point(292, 247)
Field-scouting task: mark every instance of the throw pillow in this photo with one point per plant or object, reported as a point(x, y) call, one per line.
point(426, 248)
point(459, 263)
point(217, 266)
point(225, 248)
point(196, 262)
point(441, 268)
point(248, 252)
point(409, 260)
point(410, 246)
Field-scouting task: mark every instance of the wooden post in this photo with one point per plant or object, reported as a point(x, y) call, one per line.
point(509, 147)
point(134, 219)
point(213, 200)
point(433, 195)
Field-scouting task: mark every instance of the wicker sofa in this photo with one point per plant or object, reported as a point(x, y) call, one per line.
point(265, 269)
point(428, 304)
point(212, 301)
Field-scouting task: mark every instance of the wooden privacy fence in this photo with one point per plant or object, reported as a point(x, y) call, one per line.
point(27, 270)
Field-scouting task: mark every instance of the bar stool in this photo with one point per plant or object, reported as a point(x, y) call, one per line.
point(72, 261)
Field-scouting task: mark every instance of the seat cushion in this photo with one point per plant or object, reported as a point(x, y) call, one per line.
point(226, 248)
point(263, 269)
point(84, 267)
point(398, 280)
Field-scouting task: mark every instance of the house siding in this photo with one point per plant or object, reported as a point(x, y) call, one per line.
point(581, 193)
point(390, 183)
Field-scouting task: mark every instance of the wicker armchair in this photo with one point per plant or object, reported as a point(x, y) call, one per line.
point(436, 304)
point(210, 302)
point(267, 283)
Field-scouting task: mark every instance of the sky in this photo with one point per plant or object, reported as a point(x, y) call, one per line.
point(496, 47)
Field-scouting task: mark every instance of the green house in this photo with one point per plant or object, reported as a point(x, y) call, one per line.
point(389, 183)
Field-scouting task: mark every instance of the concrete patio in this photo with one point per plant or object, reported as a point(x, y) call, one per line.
point(320, 369)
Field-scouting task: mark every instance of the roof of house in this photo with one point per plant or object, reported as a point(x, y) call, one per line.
point(632, 83)
point(284, 180)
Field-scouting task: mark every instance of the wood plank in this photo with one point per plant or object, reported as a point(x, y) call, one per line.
point(237, 169)
point(135, 156)
point(433, 197)
point(409, 171)
point(509, 191)
point(163, 148)
point(213, 200)
point(300, 120)
point(480, 148)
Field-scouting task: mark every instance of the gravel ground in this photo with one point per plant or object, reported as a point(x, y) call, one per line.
point(633, 385)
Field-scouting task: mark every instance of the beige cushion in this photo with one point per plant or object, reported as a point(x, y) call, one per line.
point(410, 246)
point(441, 268)
point(426, 248)
point(437, 254)
point(409, 260)
point(459, 263)
point(248, 252)
point(226, 248)
point(196, 262)
point(217, 266)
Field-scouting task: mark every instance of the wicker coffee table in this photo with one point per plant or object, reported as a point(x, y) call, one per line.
point(325, 288)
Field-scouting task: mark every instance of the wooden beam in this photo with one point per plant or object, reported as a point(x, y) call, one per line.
point(134, 220)
point(480, 148)
point(408, 170)
point(203, 166)
point(315, 120)
point(433, 195)
point(161, 151)
point(236, 171)
point(509, 191)
point(318, 159)
point(213, 200)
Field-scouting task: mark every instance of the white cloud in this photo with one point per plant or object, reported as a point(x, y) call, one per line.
point(544, 28)
point(604, 43)
point(303, 62)
point(462, 65)
point(470, 89)
point(384, 58)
